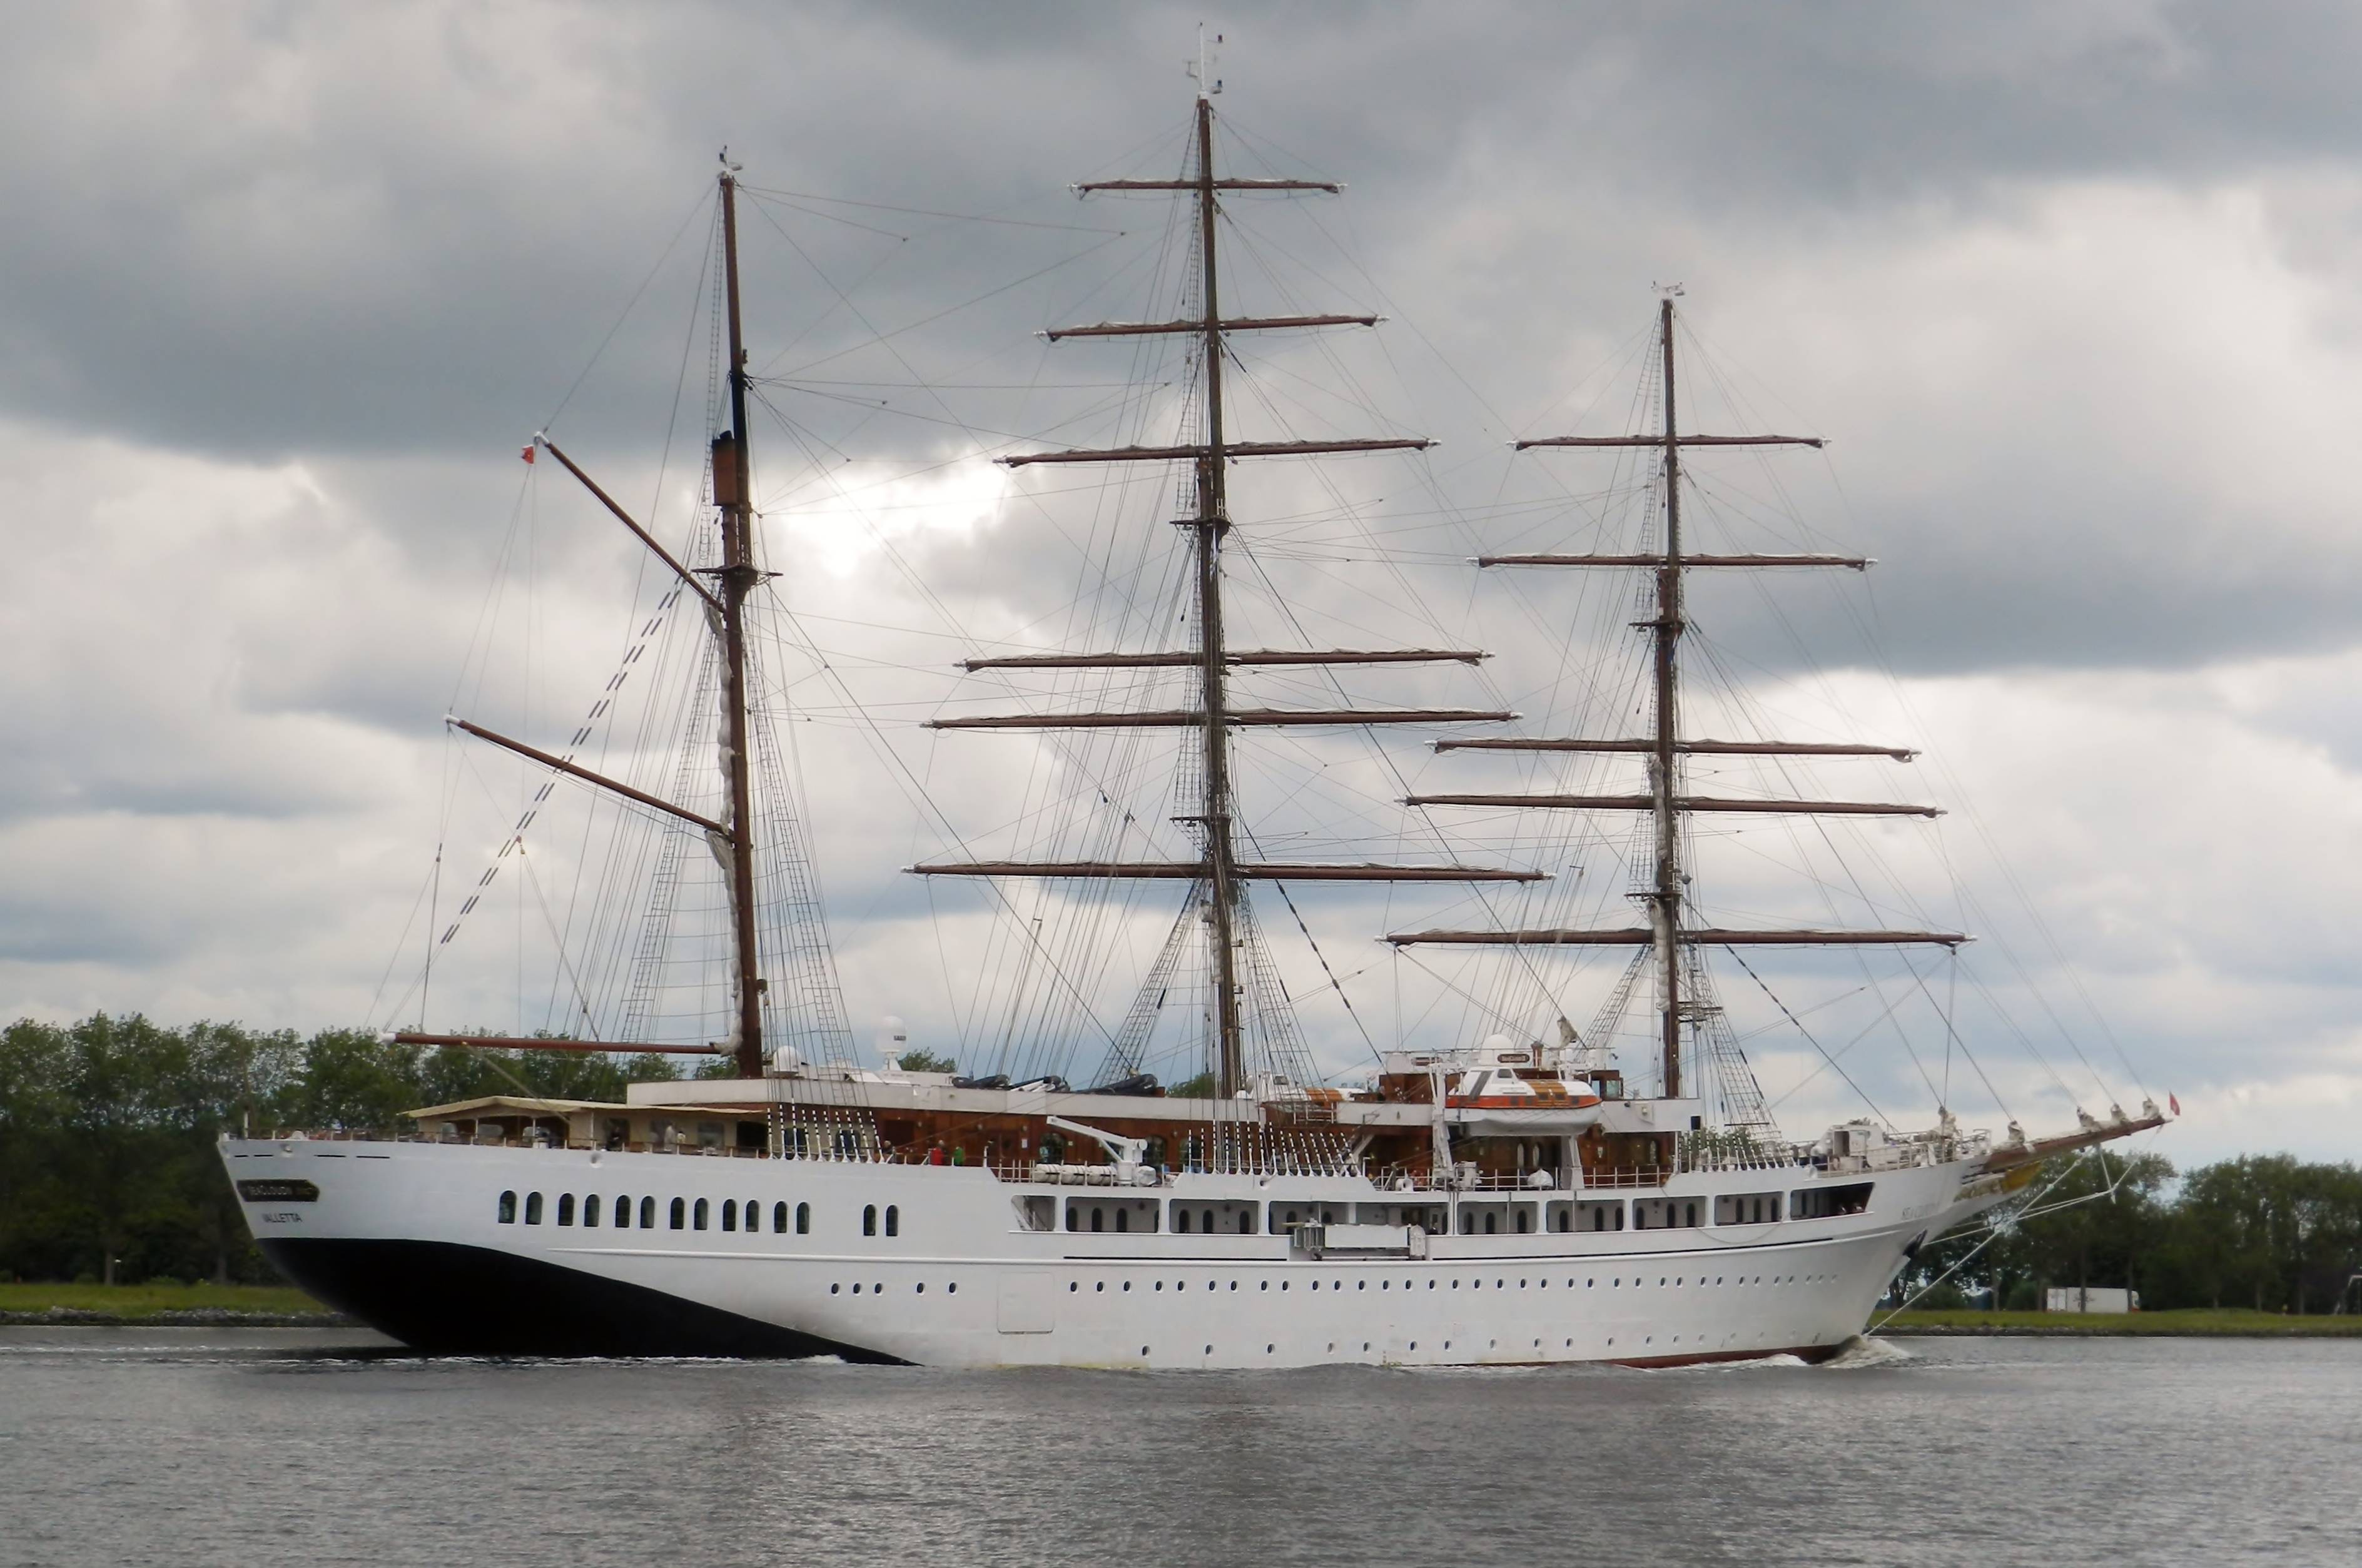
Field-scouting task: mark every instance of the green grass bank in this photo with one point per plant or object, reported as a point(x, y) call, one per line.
point(164, 1302)
point(2220, 1322)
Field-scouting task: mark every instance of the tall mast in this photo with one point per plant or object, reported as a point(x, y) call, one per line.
point(1210, 522)
point(1666, 903)
point(733, 492)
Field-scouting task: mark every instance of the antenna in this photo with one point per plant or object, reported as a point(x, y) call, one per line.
point(1669, 291)
point(1201, 69)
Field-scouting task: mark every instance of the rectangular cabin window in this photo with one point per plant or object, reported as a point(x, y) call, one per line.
point(1747, 1208)
point(1826, 1202)
point(709, 1136)
point(1037, 1212)
point(566, 1209)
point(533, 1208)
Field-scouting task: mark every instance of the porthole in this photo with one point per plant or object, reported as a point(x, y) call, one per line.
point(1160, 1285)
point(1143, 1350)
point(1209, 1350)
point(1127, 1285)
point(1098, 1284)
point(1072, 1287)
point(920, 1288)
point(831, 1290)
point(856, 1290)
point(952, 1288)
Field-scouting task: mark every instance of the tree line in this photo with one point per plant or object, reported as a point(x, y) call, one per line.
point(108, 1127)
point(2266, 1231)
point(108, 1170)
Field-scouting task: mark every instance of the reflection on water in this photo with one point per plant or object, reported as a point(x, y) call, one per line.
point(326, 1447)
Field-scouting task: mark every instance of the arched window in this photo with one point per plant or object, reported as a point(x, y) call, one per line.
point(508, 1208)
point(1074, 1217)
point(679, 1213)
point(591, 1211)
point(869, 1219)
point(1123, 1220)
point(698, 1223)
point(1098, 1219)
point(566, 1209)
point(533, 1208)
point(622, 1212)
point(893, 1220)
point(729, 1214)
point(649, 1214)
point(1246, 1221)
point(1525, 1221)
point(1690, 1216)
point(803, 1218)
point(779, 1219)
point(1491, 1224)
point(1181, 1220)
point(1467, 1223)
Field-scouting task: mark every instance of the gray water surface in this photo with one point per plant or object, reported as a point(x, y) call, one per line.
point(323, 1447)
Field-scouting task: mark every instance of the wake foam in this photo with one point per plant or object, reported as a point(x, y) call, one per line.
point(1858, 1353)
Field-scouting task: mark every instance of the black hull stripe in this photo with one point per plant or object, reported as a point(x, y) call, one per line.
point(447, 1299)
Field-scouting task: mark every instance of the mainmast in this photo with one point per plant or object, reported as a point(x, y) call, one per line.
point(1212, 521)
point(1223, 874)
point(1665, 904)
point(733, 494)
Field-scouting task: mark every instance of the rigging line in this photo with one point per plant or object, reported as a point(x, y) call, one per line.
point(387, 978)
point(1482, 1006)
point(1335, 984)
point(703, 198)
point(763, 191)
point(1994, 1233)
point(1798, 1025)
point(927, 320)
point(533, 878)
point(787, 617)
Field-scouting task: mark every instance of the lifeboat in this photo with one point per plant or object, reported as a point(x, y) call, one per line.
point(1493, 1100)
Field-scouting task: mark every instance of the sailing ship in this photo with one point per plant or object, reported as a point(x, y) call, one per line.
point(1497, 1200)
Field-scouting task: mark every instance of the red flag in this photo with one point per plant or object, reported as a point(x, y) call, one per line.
point(2175, 1103)
point(527, 454)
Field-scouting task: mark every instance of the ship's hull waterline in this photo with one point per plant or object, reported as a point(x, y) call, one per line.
point(408, 1237)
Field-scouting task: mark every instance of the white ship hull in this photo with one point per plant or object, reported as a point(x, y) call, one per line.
point(409, 1237)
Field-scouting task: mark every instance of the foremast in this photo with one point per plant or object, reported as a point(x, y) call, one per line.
point(1672, 938)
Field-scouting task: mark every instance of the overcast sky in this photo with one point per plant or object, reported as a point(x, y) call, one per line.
point(2075, 288)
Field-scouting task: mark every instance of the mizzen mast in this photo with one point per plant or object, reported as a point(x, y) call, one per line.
point(738, 575)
